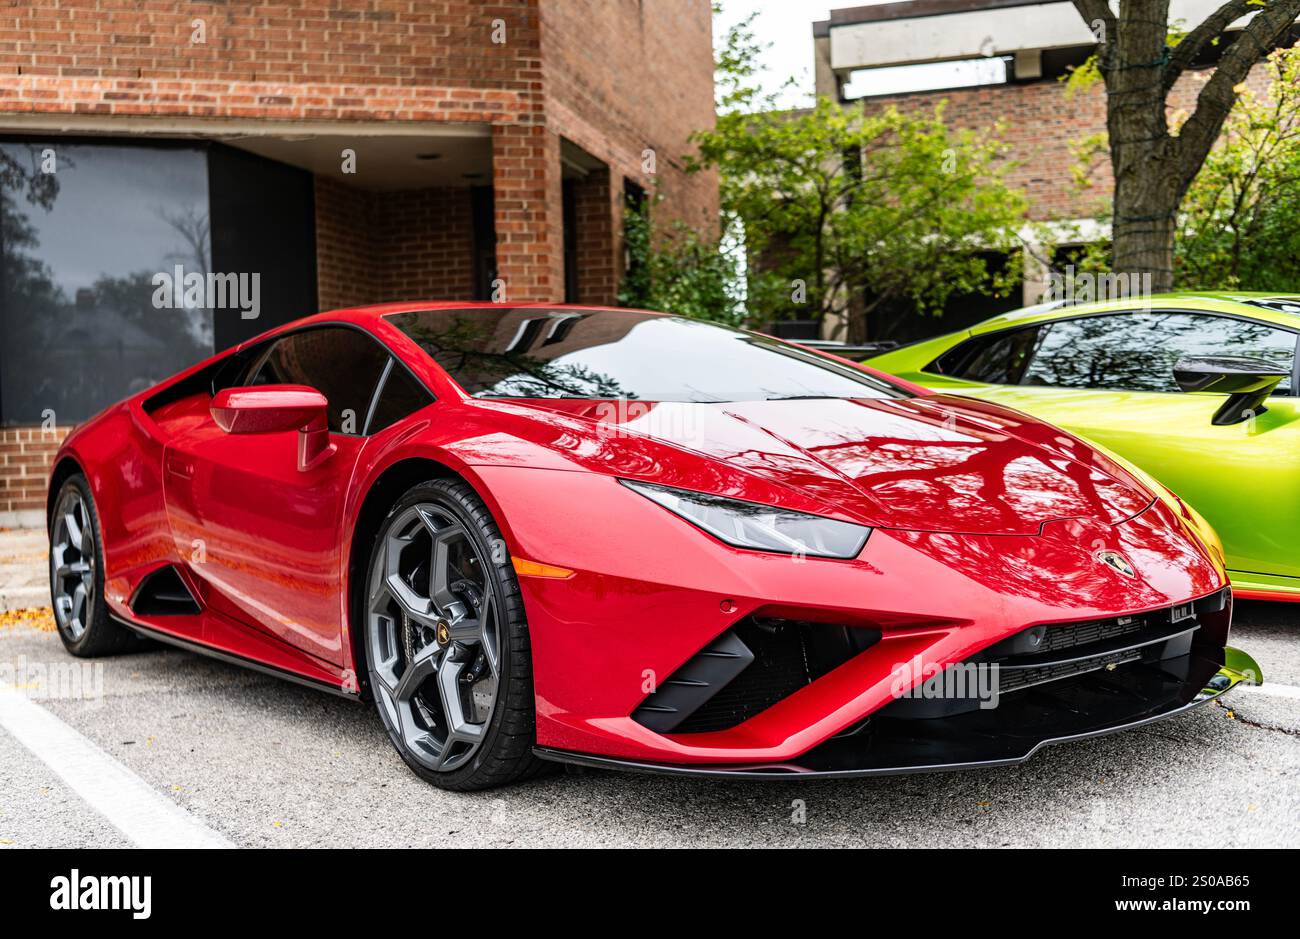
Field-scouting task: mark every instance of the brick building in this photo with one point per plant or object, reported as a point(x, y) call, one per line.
point(343, 151)
point(996, 61)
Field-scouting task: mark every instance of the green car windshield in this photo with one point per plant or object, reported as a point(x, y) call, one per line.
point(1137, 354)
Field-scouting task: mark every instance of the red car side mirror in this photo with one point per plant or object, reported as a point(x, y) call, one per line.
point(271, 409)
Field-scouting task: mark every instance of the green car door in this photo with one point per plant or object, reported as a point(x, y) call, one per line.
point(1109, 376)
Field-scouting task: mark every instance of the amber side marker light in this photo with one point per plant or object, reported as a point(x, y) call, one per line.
point(525, 568)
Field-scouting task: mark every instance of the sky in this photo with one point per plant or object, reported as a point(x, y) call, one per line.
point(786, 25)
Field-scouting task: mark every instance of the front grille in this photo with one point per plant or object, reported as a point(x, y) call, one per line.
point(1015, 679)
point(1069, 635)
point(1038, 655)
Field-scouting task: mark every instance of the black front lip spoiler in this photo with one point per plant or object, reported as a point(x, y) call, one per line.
point(1203, 680)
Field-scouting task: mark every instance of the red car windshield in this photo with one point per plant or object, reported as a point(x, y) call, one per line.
point(538, 353)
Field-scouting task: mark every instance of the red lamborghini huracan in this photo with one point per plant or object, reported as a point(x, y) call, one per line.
point(625, 539)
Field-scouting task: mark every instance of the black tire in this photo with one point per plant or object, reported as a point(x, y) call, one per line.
point(88, 631)
point(504, 751)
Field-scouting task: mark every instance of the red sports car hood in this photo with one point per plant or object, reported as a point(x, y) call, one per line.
point(931, 463)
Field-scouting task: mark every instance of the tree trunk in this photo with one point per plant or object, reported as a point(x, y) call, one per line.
point(1147, 188)
point(1145, 206)
point(1153, 169)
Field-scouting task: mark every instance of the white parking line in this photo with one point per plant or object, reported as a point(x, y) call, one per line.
point(132, 806)
point(1273, 689)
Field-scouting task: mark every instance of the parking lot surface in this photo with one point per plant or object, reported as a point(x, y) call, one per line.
point(261, 762)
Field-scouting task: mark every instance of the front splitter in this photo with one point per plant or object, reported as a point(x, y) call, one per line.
point(1024, 723)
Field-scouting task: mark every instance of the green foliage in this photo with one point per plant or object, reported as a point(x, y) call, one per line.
point(1080, 78)
point(839, 204)
point(830, 209)
point(679, 271)
point(1240, 220)
point(734, 66)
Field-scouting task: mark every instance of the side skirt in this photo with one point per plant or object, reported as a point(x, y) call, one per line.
point(232, 659)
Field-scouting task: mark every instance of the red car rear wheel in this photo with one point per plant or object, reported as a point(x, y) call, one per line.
point(77, 576)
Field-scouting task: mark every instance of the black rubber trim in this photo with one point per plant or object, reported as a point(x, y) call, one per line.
point(232, 659)
point(793, 771)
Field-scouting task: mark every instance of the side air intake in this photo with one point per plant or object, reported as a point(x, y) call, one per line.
point(164, 593)
point(692, 685)
point(752, 666)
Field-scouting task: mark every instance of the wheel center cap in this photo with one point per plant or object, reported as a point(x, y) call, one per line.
point(443, 632)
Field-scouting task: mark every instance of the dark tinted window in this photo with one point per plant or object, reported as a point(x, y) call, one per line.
point(999, 358)
point(87, 235)
point(342, 364)
point(402, 395)
point(1137, 351)
point(532, 353)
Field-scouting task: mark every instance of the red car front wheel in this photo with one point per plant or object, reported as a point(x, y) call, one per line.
point(447, 642)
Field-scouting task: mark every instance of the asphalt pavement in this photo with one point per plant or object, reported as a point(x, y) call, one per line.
point(262, 762)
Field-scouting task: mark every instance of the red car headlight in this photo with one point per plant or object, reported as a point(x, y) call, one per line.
point(759, 527)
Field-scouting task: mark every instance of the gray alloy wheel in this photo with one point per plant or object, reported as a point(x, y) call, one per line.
point(447, 645)
point(434, 634)
point(77, 576)
point(72, 563)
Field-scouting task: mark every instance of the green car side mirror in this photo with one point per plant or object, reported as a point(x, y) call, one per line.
point(1246, 381)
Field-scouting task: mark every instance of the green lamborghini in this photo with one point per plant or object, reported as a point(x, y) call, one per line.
point(1200, 390)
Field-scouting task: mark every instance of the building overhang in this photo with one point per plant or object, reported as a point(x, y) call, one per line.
point(389, 155)
point(923, 31)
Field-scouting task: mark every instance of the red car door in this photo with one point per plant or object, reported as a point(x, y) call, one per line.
point(262, 535)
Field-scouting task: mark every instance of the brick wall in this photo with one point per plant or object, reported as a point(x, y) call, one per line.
point(1043, 120)
point(345, 259)
point(309, 59)
point(529, 212)
point(624, 76)
point(425, 241)
point(372, 247)
point(25, 455)
point(617, 77)
point(597, 208)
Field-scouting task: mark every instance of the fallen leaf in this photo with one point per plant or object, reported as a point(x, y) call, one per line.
point(41, 618)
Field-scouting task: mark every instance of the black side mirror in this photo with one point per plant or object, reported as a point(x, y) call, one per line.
point(1246, 381)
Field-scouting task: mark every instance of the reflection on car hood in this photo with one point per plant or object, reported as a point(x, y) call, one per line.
point(931, 463)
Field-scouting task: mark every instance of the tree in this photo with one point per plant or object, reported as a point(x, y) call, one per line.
point(679, 271)
point(845, 210)
point(1240, 223)
point(1139, 59)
